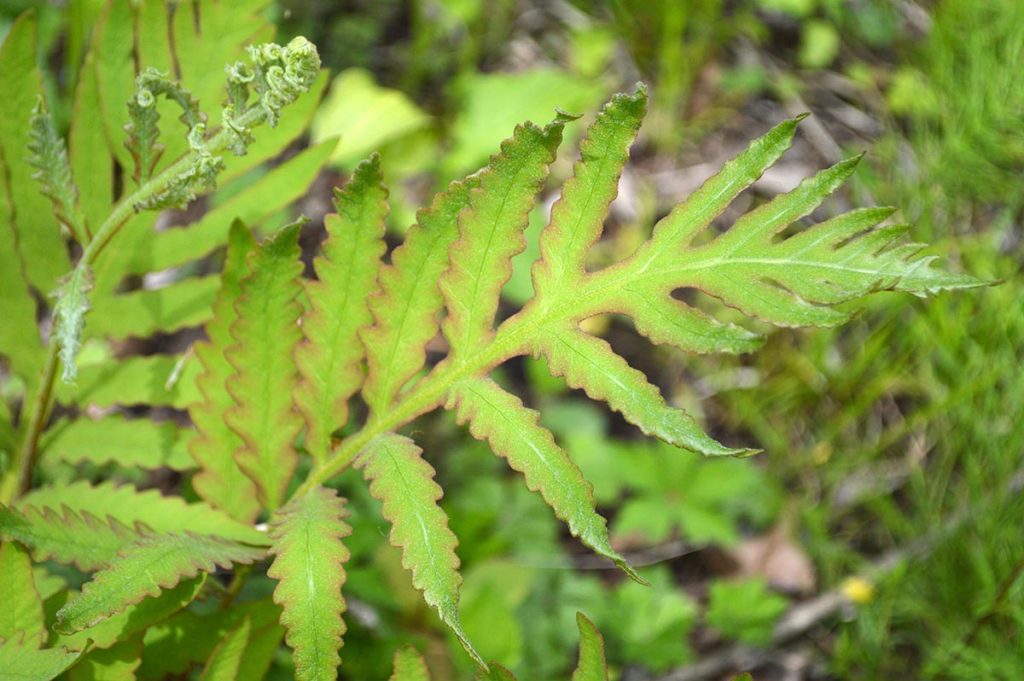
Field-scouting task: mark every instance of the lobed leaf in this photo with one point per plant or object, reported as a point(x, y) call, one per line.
point(266, 334)
point(491, 233)
point(134, 619)
point(592, 665)
point(130, 443)
point(67, 537)
point(577, 219)
point(145, 568)
point(22, 613)
point(404, 483)
point(514, 433)
point(409, 666)
point(329, 360)
point(309, 560)
point(127, 505)
point(220, 481)
point(226, 659)
point(23, 661)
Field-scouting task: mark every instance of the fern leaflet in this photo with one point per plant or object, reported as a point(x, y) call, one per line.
point(309, 568)
point(145, 568)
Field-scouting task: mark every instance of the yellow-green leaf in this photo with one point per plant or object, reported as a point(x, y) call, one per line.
point(309, 566)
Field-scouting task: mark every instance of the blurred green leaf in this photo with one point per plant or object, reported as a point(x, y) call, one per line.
point(494, 103)
point(745, 610)
point(366, 116)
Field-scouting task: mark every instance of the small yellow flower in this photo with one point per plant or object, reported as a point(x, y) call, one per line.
point(858, 590)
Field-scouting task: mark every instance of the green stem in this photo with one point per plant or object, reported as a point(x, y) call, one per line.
point(24, 460)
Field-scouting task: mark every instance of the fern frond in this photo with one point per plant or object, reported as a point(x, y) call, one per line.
point(226, 659)
point(309, 566)
point(404, 483)
point(592, 665)
point(266, 334)
point(22, 614)
point(49, 156)
point(409, 666)
point(31, 663)
point(513, 432)
point(130, 507)
point(220, 481)
point(753, 266)
point(491, 233)
point(130, 443)
point(329, 358)
point(67, 537)
point(145, 568)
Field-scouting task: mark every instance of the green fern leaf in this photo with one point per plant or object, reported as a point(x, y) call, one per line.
point(589, 363)
point(39, 244)
point(159, 310)
point(134, 619)
point(513, 432)
point(409, 666)
point(116, 663)
point(67, 537)
point(22, 614)
point(145, 568)
point(188, 638)
point(266, 334)
point(329, 359)
point(404, 483)
point(577, 219)
point(22, 661)
point(309, 567)
point(490, 233)
point(149, 380)
point(753, 266)
point(130, 443)
point(226, 659)
point(406, 309)
point(220, 481)
point(592, 665)
point(19, 334)
point(130, 507)
point(87, 147)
